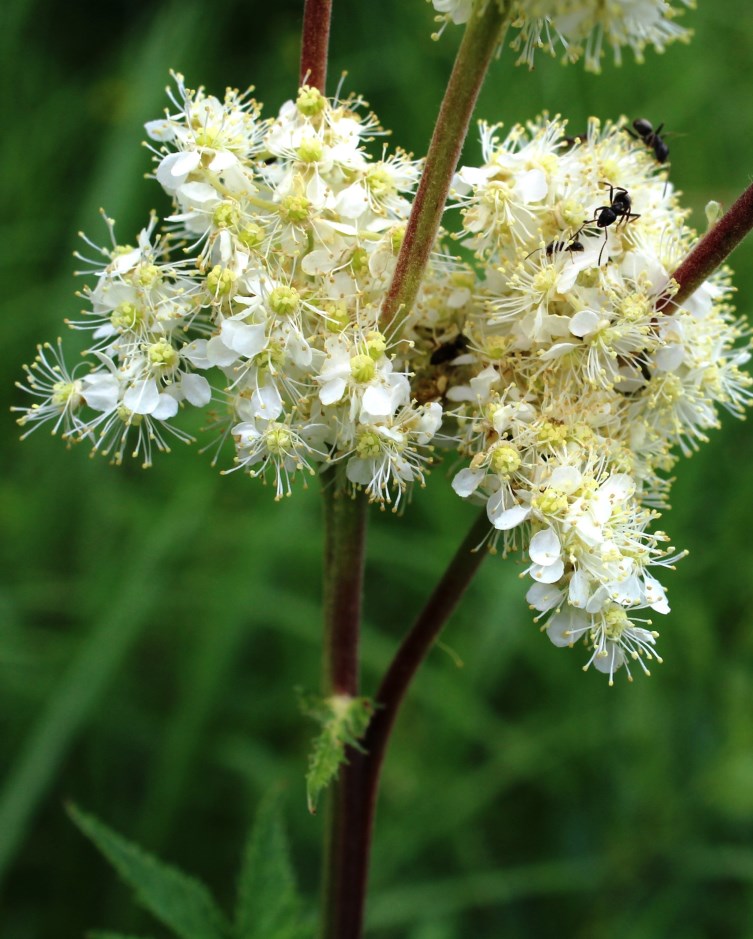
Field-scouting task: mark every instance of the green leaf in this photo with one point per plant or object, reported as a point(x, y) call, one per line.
point(344, 721)
point(177, 900)
point(268, 906)
point(98, 934)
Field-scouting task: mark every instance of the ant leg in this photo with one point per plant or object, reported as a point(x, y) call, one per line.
point(606, 235)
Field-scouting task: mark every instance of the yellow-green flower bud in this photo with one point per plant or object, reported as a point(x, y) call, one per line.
point(362, 368)
point(376, 344)
point(552, 434)
point(220, 281)
point(226, 215)
point(337, 317)
point(66, 394)
point(310, 101)
point(284, 300)
point(147, 275)
point(251, 235)
point(379, 180)
point(295, 208)
point(360, 261)
point(278, 439)
point(550, 502)
point(126, 316)
point(162, 356)
point(368, 445)
point(310, 150)
point(505, 460)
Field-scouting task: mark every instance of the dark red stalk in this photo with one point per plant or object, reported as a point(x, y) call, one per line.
point(711, 251)
point(364, 768)
point(315, 43)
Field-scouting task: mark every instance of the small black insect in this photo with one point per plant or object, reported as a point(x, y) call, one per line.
point(554, 247)
point(616, 213)
point(450, 350)
point(644, 130)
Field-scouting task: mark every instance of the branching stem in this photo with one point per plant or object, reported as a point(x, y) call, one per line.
point(481, 38)
point(711, 251)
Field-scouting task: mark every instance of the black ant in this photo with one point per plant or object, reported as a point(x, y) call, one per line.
point(644, 130)
point(618, 211)
point(449, 350)
point(554, 247)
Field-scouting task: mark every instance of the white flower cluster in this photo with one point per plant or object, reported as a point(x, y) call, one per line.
point(580, 27)
point(580, 379)
point(269, 276)
point(564, 372)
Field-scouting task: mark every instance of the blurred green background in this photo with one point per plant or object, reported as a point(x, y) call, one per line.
point(153, 626)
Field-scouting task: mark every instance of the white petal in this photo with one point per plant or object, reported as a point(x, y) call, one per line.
point(219, 354)
point(545, 547)
point(584, 322)
point(101, 391)
point(266, 403)
point(467, 481)
point(510, 518)
point(223, 160)
point(548, 573)
point(248, 339)
point(185, 163)
point(143, 397)
point(532, 186)
point(564, 628)
point(378, 401)
point(579, 589)
point(544, 597)
point(167, 407)
point(196, 353)
point(609, 663)
point(332, 391)
point(196, 389)
point(566, 479)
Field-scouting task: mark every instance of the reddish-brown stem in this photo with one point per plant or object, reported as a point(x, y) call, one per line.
point(344, 549)
point(480, 39)
point(364, 768)
point(711, 251)
point(315, 43)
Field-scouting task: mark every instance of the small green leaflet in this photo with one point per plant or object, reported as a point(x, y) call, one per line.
point(344, 721)
point(177, 900)
point(268, 906)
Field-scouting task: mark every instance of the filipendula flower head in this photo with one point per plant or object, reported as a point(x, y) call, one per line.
point(260, 296)
point(581, 381)
point(580, 28)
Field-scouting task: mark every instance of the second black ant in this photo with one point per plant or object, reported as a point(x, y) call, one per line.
point(554, 247)
point(644, 130)
point(616, 213)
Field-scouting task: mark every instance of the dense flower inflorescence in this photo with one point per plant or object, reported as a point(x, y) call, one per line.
point(558, 365)
point(581, 380)
point(267, 280)
point(580, 28)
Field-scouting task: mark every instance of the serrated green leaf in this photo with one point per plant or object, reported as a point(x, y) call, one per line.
point(268, 906)
point(177, 900)
point(344, 721)
point(98, 934)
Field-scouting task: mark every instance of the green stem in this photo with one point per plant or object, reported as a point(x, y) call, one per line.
point(344, 544)
point(481, 38)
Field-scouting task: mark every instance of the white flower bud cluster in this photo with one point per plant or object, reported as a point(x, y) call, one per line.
point(581, 378)
point(268, 281)
point(581, 27)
